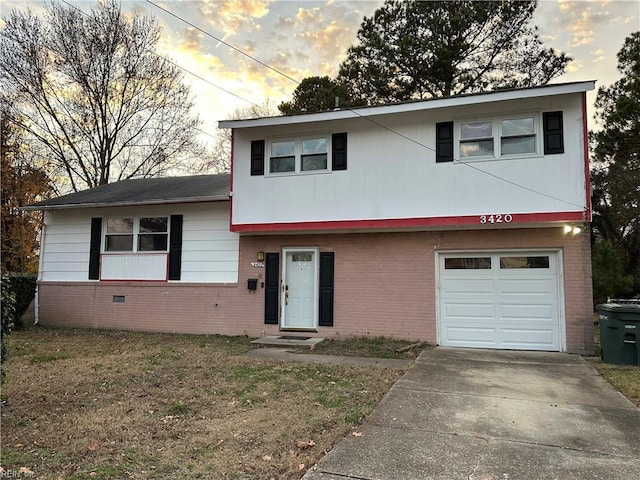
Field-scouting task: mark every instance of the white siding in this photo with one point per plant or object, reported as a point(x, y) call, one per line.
point(209, 249)
point(390, 177)
point(65, 246)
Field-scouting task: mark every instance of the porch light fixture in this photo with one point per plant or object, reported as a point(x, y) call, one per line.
point(572, 229)
point(260, 256)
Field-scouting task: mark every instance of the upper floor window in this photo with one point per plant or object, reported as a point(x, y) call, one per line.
point(518, 136)
point(298, 155)
point(498, 137)
point(476, 139)
point(136, 234)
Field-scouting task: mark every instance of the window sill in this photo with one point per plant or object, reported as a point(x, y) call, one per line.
point(496, 159)
point(298, 174)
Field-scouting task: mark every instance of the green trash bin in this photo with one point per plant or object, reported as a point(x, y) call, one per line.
point(619, 333)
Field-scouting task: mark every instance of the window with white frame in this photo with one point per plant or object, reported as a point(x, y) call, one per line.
point(136, 234)
point(306, 154)
point(498, 137)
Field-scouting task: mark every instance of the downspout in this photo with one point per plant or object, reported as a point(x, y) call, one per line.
point(36, 299)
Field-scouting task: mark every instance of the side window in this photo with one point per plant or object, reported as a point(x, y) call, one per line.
point(133, 234)
point(153, 234)
point(119, 235)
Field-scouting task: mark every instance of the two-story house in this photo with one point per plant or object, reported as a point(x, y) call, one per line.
point(462, 221)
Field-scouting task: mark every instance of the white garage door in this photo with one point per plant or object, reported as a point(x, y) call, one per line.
point(499, 300)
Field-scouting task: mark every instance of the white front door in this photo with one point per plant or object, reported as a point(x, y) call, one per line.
point(299, 288)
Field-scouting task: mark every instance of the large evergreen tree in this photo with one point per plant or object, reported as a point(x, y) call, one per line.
point(317, 94)
point(616, 162)
point(420, 49)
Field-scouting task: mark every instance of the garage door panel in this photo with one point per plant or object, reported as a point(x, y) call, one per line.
point(468, 335)
point(510, 308)
point(470, 310)
point(534, 339)
point(475, 286)
point(527, 311)
point(526, 286)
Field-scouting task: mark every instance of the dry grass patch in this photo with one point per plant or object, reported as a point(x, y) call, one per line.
point(624, 378)
point(376, 347)
point(98, 404)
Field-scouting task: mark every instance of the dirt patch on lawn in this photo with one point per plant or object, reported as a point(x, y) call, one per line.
point(93, 404)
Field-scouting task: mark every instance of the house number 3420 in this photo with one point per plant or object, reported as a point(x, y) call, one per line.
point(496, 218)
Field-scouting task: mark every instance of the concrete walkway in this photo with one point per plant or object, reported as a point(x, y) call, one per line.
point(493, 415)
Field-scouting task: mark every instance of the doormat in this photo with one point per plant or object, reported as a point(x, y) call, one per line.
point(292, 337)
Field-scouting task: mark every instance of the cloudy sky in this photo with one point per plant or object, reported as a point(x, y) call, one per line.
point(304, 38)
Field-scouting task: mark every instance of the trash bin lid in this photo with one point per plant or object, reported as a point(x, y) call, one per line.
point(620, 307)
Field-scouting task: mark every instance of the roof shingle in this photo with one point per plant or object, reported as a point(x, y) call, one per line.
point(140, 191)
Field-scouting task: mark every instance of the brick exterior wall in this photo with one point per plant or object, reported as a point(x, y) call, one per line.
point(384, 285)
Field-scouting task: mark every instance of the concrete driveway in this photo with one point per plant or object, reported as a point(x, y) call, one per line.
point(488, 415)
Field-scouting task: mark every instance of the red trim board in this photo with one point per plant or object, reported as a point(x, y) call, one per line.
point(480, 221)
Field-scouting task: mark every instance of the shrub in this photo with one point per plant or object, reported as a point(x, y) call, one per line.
point(608, 275)
point(23, 287)
point(8, 313)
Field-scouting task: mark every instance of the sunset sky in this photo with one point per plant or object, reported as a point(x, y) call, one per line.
point(304, 38)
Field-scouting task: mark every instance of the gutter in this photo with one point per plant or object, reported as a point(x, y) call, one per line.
point(216, 198)
point(36, 298)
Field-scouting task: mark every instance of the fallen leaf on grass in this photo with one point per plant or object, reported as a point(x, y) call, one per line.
point(19, 445)
point(266, 458)
point(303, 445)
point(301, 466)
point(93, 446)
point(293, 454)
point(220, 442)
point(25, 470)
point(356, 434)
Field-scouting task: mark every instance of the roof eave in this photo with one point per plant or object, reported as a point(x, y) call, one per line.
point(433, 103)
point(68, 206)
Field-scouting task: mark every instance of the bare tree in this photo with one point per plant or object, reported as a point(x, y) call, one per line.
point(219, 160)
point(93, 95)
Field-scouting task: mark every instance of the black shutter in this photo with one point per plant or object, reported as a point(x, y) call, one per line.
point(272, 267)
point(339, 151)
point(94, 248)
point(444, 142)
point(175, 247)
point(326, 289)
point(257, 157)
point(553, 136)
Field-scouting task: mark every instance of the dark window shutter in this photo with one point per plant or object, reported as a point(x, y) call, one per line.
point(326, 289)
point(94, 248)
point(272, 277)
point(339, 151)
point(444, 142)
point(552, 132)
point(175, 247)
point(257, 157)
